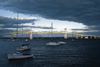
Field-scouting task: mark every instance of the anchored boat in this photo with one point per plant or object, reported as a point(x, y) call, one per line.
point(19, 55)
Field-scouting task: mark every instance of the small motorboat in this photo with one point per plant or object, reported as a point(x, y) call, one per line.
point(52, 44)
point(13, 40)
point(61, 42)
point(23, 48)
point(72, 39)
point(26, 40)
point(19, 55)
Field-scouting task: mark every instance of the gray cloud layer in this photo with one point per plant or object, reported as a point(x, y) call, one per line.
point(82, 11)
point(6, 22)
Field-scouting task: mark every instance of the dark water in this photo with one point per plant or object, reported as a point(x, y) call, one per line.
point(79, 53)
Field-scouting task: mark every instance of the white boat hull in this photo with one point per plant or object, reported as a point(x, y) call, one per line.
point(10, 56)
point(72, 39)
point(52, 44)
point(26, 40)
point(13, 40)
point(23, 48)
point(62, 42)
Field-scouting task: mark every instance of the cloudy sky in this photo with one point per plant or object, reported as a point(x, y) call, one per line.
point(80, 15)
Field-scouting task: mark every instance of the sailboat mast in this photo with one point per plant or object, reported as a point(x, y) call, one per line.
point(61, 36)
point(51, 29)
point(17, 30)
point(22, 32)
point(72, 33)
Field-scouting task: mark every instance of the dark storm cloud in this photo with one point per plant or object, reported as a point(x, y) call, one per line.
point(75, 30)
point(92, 33)
point(93, 30)
point(6, 22)
point(79, 29)
point(2, 31)
point(95, 27)
point(41, 27)
point(82, 11)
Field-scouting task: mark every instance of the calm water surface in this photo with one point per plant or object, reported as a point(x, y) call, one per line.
point(77, 53)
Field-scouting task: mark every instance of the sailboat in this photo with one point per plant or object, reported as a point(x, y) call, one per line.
point(26, 40)
point(62, 42)
point(18, 55)
point(52, 43)
point(13, 40)
point(24, 46)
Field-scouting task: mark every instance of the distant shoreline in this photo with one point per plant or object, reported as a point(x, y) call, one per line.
point(47, 38)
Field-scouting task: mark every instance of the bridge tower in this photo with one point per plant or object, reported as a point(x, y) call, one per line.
point(76, 36)
point(90, 37)
point(31, 32)
point(65, 34)
point(94, 37)
point(11, 36)
point(81, 36)
point(1, 36)
point(86, 37)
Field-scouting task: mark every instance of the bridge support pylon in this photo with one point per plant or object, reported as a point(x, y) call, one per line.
point(31, 32)
point(65, 34)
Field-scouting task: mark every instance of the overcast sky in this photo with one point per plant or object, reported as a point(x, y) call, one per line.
point(83, 16)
